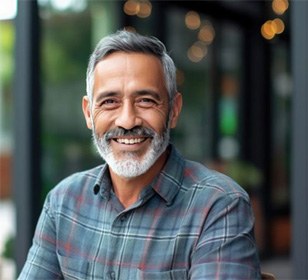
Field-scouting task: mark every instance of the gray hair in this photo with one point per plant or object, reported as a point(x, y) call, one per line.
point(126, 41)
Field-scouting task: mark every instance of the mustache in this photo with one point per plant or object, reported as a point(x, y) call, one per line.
point(135, 131)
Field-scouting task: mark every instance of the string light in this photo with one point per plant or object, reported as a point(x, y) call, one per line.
point(271, 28)
point(197, 51)
point(278, 25)
point(192, 20)
point(131, 7)
point(145, 9)
point(205, 36)
point(140, 8)
point(267, 31)
point(206, 33)
point(280, 6)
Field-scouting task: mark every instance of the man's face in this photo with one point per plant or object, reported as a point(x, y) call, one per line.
point(129, 114)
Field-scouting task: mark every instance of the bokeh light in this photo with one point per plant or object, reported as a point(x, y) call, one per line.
point(197, 51)
point(271, 28)
point(280, 6)
point(206, 33)
point(192, 20)
point(139, 8)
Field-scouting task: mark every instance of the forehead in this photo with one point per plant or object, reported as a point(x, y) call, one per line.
point(130, 68)
point(130, 61)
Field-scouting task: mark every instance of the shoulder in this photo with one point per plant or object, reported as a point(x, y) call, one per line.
point(80, 179)
point(202, 179)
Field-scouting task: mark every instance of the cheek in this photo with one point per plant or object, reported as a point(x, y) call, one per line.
point(157, 120)
point(101, 121)
point(163, 115)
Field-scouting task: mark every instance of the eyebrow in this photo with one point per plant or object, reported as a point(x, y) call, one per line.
point(103, 95)
point(137, 93)
point(150, 92)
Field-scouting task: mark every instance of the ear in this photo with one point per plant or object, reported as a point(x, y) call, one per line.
point(86, 107)
point(176, 109)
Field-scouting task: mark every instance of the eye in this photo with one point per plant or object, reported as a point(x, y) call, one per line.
point(109, 103)
point(146, 102)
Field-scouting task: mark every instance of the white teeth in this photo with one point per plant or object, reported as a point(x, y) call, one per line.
point(130, 141)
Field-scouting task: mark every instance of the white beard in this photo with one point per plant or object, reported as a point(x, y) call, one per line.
point(129, 164)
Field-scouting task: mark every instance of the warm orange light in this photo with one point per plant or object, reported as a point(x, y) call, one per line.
point(131, 7)
point(278, 25)
point(145, 9)
point(192, 20)
point(197, 52)
point(280, 6)
point(180, 77)
point(272, 27)
point(140, 8)
point(267, 30)
point(206, 33)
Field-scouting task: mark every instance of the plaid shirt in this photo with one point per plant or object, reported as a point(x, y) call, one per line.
point(190, 223)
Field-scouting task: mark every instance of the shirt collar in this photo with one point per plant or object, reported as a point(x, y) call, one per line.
point(103, 183)
point(166, 184)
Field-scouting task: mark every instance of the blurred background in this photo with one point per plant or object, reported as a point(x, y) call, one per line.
point(234, 69)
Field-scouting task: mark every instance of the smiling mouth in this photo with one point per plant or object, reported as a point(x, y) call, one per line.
point(130, 141)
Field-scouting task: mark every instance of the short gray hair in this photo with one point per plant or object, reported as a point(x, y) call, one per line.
point(126, 41)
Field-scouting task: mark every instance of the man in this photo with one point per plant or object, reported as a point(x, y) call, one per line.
point(147, 213)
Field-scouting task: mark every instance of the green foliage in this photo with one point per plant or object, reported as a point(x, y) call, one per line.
point(9, 248)
point(7, 36)
point(66, 48)
point(245, 173)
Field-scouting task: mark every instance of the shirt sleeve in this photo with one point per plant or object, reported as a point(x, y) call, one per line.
point(42, 261)
point(226, 248)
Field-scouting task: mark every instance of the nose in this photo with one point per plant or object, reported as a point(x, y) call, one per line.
point(128, 116)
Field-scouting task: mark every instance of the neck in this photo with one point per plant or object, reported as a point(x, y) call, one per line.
point(128, 189)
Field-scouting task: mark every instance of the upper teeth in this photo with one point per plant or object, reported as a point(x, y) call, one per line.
point(130, 141)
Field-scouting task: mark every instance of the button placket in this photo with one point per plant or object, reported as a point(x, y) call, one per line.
point(111, 275)
point(123, 218)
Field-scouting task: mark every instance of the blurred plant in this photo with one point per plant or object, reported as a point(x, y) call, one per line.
point(244, 173)
point(6, 50)
point(9, 248)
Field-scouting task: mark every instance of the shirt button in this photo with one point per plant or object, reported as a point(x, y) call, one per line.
point(123, 218)
point(111, 275)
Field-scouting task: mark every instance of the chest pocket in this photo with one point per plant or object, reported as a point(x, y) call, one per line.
point(80, 269)
point(73, 268)
point(176, 274)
